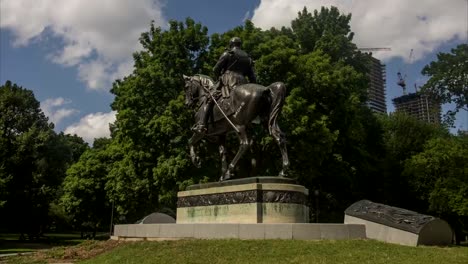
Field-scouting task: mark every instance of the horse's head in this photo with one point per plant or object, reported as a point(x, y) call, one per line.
point(191, 90)
point(195, 88)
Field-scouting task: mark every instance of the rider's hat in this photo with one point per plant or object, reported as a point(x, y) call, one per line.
point(235, 42)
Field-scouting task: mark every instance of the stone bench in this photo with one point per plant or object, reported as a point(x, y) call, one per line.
point(397, 225)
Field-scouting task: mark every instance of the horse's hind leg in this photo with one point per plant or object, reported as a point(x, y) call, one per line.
point(253, 160)
point(222, 153)
point(243, 146)
point(281, 141)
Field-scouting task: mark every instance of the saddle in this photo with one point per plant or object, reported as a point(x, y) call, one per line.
point(226, 105)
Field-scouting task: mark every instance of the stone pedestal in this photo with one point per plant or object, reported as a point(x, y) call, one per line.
point(248, 200)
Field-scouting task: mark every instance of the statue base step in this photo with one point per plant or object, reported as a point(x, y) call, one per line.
point(248, 200)
point(156, 232)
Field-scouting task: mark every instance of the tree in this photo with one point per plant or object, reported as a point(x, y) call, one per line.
point(440, 178)
point(448, 81)
point(31, 164)
point(152, 125)
point(84, 196)
point(404, 137)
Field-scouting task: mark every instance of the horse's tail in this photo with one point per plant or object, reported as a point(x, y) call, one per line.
point(278, 94)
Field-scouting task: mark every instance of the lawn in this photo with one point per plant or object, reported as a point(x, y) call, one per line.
point(246, 251)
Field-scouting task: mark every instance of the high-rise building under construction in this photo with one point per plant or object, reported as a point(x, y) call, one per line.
point(376, 90)
point(419, 106)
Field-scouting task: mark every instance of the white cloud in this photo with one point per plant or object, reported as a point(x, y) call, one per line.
point(403, 25)
point(99, 36)
point(92, 126)
point(55, 110)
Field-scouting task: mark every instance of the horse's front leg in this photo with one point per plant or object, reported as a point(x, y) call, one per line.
point(193, 154)
point(244, 145)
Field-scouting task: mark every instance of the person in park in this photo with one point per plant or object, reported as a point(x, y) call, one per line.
point(232, 69)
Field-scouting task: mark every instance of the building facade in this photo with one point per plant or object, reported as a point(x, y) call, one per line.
point(419, 106)
point(377, 87)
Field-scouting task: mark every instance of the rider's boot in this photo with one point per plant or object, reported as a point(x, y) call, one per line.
point(200, 127)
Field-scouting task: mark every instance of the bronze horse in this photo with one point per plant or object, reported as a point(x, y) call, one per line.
point(247, 102)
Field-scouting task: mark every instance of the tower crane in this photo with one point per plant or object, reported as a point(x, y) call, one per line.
point(402, 79)
point(375, 49)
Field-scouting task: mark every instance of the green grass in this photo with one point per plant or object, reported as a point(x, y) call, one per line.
point(253, 251)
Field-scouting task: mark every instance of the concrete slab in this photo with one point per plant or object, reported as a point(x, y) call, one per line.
point(278, 231)
point(176, 230)
point(385, 233)
point(357, 231)
point(334, 231)
point(306, 231)
point(131, 230)
point(239, 231)
point(150, 230)
point(121, 230)
point(251, 231)
point(216, 231)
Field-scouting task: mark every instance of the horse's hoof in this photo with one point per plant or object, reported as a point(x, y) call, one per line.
point(283, 174)
point(226, 176)
point(223, 178)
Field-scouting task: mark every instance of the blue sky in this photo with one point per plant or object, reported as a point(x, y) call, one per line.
point(69, 52)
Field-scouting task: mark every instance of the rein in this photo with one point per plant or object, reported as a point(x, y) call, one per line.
point(201, 87)
point(207, 94)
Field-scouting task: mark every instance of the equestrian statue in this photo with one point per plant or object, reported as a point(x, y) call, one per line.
point(231, 104)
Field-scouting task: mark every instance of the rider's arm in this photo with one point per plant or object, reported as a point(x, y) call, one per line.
point(251, 73)
point(220, 65)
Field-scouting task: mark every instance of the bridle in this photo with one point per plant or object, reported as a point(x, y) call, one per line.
point(190, 88)
point(197, 83)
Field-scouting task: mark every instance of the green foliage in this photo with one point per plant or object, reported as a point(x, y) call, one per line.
point(448, 81)
point(403, 138)
point(84, 197)
point(152, 125)
point(327, 30)
point(441, 175)
point(33, 159)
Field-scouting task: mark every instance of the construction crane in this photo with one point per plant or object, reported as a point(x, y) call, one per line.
point(401, 82)
point(402, 79)
point(375, 49)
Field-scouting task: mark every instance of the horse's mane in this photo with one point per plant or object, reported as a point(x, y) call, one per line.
point(205, 80)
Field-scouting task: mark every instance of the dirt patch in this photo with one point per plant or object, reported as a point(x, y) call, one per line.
point(71, 254)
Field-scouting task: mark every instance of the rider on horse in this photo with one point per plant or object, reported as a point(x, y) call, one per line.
point(230, 70)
